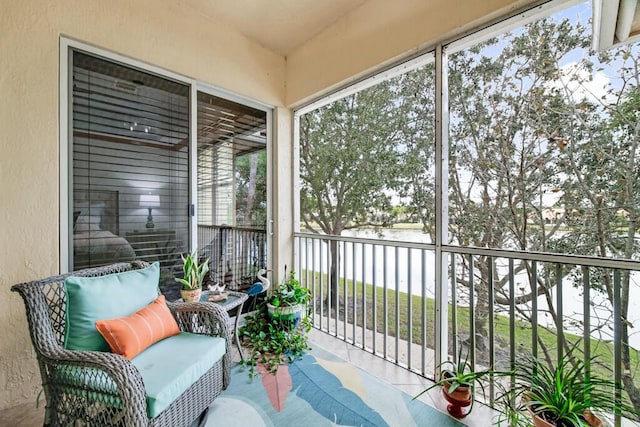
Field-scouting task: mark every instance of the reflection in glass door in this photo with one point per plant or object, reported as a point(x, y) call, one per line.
point(130, 168)
point(232, 189)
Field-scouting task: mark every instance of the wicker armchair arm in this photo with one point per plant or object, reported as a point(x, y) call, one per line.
point(98, 376)
point(201, 318)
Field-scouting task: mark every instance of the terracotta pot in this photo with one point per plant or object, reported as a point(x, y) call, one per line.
point(191, 295)
point(589, 417)
point(458, 400)
point(539, 422)
point(592, 419)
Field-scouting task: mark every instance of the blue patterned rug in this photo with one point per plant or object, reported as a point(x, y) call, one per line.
point(318, 390)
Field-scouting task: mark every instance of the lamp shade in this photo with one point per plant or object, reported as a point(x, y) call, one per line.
point(149, 200)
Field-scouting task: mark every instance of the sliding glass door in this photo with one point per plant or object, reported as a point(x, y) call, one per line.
point(131, 174)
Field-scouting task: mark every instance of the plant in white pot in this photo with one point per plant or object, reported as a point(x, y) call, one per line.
point(194, 272)
point(276, 333)
point(288, 302)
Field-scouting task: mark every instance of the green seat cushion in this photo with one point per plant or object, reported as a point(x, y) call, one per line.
point(166, 372)
point(172, 365)
point(90, 299)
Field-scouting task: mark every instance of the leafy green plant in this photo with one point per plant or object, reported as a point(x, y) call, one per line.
point(565, 394)
point(455, 375)
point(194, 271)
point(272, 343)
point(274, 340)
point(510, 409)
point(289, 293)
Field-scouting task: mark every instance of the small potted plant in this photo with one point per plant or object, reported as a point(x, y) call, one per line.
point(564, 395)
point(277, 335)
point(194, 273)
point(458, 381)
point(288, 302)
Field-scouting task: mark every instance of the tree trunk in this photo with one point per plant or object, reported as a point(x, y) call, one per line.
point(482, 312)
point(251, 191)
point(331, 299)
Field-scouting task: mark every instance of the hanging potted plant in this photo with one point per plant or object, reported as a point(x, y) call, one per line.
point(193, 276)
point(276, 333)
point(458, 381)
point(288, 302)
point(564, 395)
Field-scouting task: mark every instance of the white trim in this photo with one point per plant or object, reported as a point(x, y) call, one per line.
point(405, 67)
point(126, 60)
point(626, 13)
point(271, 256)
point(612, 23)
point(441, 205)
point(604, 23)
point(231, 96)
point(64, 181)
point(193, 168)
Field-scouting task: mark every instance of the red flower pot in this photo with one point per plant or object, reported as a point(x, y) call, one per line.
point(458, 400)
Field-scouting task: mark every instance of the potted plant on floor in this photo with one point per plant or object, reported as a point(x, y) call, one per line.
point(458, 381)
point(194, 272)
point(564, 395)
point(277, 335)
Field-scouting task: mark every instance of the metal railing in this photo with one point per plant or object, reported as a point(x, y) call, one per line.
point(236, 253)
point(385, 295)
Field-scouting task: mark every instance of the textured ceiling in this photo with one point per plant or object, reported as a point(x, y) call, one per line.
point(279, 25)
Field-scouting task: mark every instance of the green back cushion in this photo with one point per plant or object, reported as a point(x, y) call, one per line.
point(90, 299)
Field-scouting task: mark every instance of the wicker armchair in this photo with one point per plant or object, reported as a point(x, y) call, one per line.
point(74, 381)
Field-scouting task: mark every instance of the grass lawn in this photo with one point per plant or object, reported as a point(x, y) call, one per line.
point(401, 303)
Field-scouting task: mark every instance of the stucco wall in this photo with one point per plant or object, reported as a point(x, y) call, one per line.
point(381, 31)
point(168, 34)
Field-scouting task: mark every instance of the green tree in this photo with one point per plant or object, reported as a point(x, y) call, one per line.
point(348, 165)
point(602, 192)
point(251, 188)
point(524, 125)
point(502, 141)
point(416, 181)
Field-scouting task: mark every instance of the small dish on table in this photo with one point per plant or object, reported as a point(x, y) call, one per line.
point(218, 297)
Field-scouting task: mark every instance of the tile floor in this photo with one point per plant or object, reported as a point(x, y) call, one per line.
point(27, 415)
point(400, 378)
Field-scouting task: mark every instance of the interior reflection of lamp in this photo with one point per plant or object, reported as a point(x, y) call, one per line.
point(150, 201)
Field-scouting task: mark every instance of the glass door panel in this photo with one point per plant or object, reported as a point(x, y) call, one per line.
point(232, 189)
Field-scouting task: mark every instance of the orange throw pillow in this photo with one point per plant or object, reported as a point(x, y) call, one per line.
point(130, 335)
